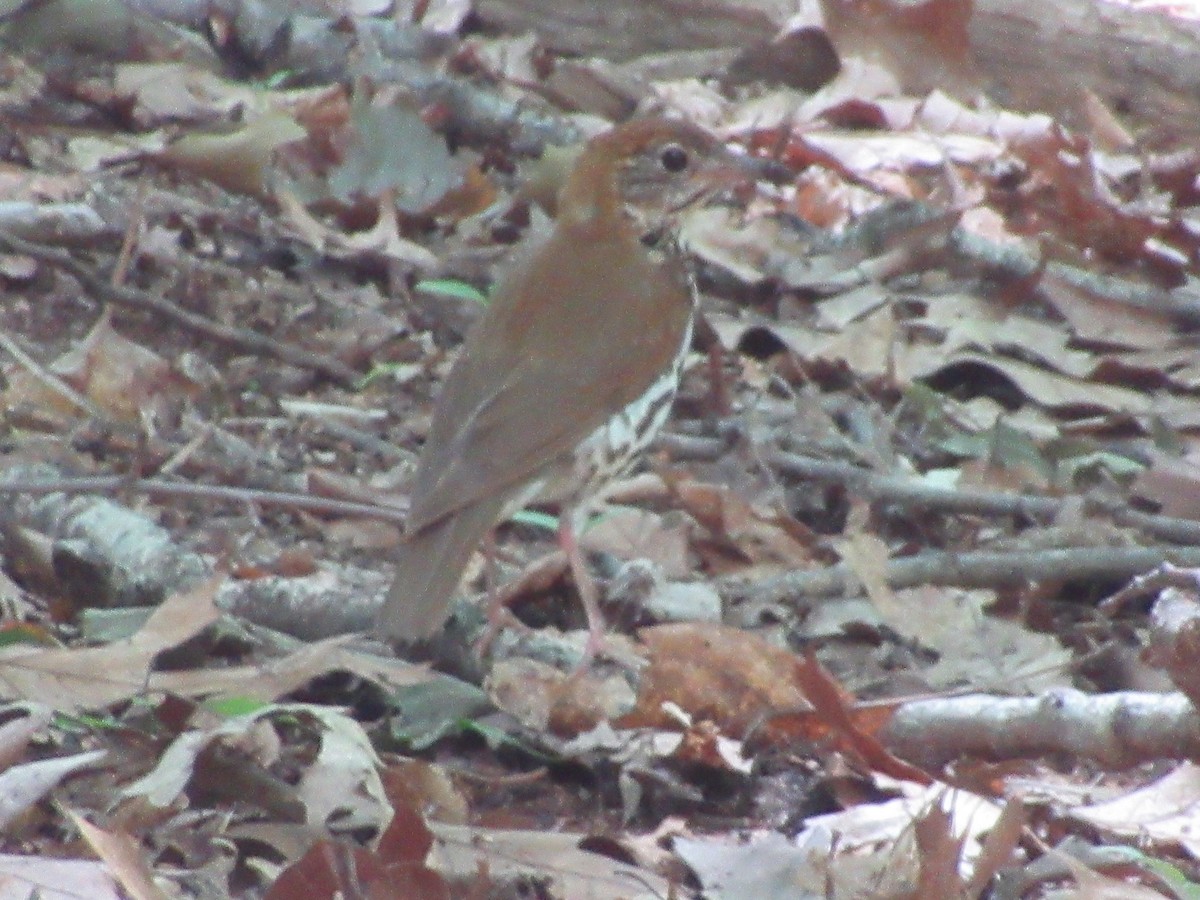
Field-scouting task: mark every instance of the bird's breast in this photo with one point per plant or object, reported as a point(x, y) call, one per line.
point(611, 450)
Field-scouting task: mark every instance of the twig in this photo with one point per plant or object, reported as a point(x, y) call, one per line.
point(973, 569)
point(1182, 304)
point(137, 299)
point(1167, 576)
point(159, 487)
point(903, 491)
point(907, 492)
point(50, 380)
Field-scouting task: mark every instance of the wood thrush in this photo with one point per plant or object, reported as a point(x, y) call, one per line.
point(571, 370)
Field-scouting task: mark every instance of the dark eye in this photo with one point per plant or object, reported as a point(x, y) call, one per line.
point(674, 158)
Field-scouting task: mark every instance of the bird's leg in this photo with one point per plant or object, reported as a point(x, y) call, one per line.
point(569, 525)
point(498, 613)
point(490, 581)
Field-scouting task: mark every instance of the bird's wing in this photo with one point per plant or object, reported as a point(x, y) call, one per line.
point(529, 386)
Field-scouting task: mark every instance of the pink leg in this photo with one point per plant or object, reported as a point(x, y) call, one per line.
point(498, 614)
point(568, 540)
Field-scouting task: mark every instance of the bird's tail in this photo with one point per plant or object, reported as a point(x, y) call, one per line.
point(429, 566)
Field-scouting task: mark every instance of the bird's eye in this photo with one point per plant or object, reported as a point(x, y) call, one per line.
point(674, 158)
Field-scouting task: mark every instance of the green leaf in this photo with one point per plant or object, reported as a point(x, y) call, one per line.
point(547, 522)
point(535, 519)
point(451, 287)
point(20, 633)
point(498, 737)
point(84, 723)
point(378, 371)
point(1171, 875)
point(230, 707)
point(280, 79)
point(425, 713)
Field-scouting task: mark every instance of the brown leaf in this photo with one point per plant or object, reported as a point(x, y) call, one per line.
point(832, 704)
point(240, 161)
point(716, 673)
point(1172, 483)
point(925, 44)
point(94, 677)
point(123, 378)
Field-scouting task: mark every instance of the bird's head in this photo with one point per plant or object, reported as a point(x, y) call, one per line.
point(650, 170)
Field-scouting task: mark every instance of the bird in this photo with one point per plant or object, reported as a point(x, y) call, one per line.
point(570, 371)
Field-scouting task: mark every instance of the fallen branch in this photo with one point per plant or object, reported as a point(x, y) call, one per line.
point(1118, 729)
point(973, 569)
point(60, 223)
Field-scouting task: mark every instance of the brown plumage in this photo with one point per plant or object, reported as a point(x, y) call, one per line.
point(587, 321)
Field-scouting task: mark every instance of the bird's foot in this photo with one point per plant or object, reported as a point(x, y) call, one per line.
point(499, 617)
point(537, 576)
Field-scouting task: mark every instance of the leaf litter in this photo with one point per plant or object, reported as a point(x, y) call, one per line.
point(970, 326)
